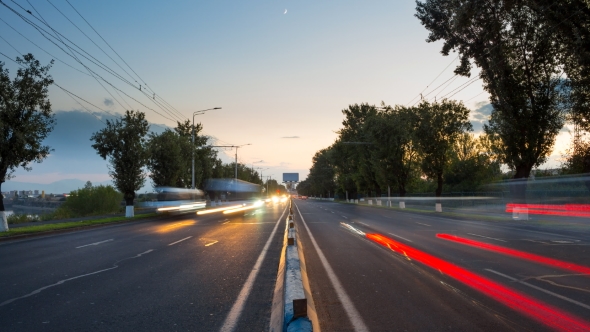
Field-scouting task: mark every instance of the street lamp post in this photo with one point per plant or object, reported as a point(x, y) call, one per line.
point(193, 142)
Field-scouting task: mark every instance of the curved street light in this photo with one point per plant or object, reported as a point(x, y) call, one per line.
point(193, 141)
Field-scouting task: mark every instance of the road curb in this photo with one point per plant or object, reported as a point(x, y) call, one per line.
point(293, 308)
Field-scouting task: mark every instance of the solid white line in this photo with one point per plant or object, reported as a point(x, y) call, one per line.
point(210, 244)
point(419, 223)
point(403, 238)
point(236, 310)
point(95, 243)
point(485, 237)
point(173, 243)
point(541, 289)
point(353, 315)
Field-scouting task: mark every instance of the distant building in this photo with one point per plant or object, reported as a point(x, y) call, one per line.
point(36, 193)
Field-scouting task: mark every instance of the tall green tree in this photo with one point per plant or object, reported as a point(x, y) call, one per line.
point(514, 48)
point(25, 119)
point(124, 143)
point(166, 160)
point(438, 127)
point(395, 157)
point(353, 134)
point(321, 174)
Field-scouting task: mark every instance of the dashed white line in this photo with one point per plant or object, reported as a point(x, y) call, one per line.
point(419, 223)
point(95, 243)
point(403, 238)
point(173, 243)
point(210, 244)
point(485, 237)
point(344, 217)
point(353, 315)
point(226, 222)
point(541, 289)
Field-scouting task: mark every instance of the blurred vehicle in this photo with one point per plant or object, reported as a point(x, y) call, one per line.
point(177, 200)
point(232, 190)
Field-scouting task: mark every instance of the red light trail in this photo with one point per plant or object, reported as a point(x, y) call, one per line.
point(517, 253)
point(546, 314)
point(566, 210)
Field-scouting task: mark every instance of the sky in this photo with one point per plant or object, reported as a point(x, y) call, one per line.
point(282, 71)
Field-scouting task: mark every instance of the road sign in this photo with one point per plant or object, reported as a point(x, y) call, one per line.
point(290, 177)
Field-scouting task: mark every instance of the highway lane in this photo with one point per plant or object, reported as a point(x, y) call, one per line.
point(390, 290)
point(181, 273)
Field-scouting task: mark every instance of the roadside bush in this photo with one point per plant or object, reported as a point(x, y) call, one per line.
point(21, 218)
point(90, 201)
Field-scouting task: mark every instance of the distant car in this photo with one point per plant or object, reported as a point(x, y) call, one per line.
point(303, 197)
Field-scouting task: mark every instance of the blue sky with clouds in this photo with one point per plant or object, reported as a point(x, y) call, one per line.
point(281, 78)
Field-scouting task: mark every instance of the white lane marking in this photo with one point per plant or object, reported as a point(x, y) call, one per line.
point(541, 289)
point(332, 211)
point(353, 315)
point(95, 243)
point(344, 217)
point(226, 222)
point(360, 222)
point(173, 243)
point(403, 238)
point(210, 244)
point(485, 237)
point(37, 291)
point(236, 310)
point(419, 223)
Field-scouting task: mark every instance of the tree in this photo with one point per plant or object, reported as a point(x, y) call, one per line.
point(394, 154)
point(359, 155)
point(166, 161)
point(438, 127)
point(321, 174)
point(25, 119)
point(470, 164)
point(123, 141)
point(514, 48)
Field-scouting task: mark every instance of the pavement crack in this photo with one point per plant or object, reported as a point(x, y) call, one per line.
point(37, 291)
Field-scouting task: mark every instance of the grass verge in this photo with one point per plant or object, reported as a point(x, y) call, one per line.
point(71, 224)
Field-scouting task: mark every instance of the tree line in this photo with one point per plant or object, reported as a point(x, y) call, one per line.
point(534, 61)
point(168, 156)
point(402, 149)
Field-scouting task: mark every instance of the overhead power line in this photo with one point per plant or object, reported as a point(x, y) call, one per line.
point(60, 37)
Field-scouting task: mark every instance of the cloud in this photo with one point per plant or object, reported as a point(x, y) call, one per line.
point(480, 116)
point(290, 137)
point(108, 102)
point(72, 155)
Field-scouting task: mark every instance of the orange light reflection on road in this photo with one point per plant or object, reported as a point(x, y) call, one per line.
point(566, 210)
point(219, 209)
point(517, 253)
point(541, 312)
point(175, 226)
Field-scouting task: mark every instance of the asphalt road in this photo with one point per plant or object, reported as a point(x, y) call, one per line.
point(382, 270)
point(183, 273)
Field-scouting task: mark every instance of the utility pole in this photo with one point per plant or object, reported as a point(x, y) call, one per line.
point(231, 146)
